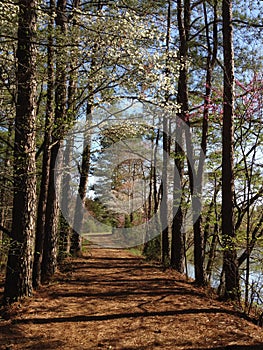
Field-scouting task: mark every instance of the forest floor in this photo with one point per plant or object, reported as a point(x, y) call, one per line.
point(111, 299)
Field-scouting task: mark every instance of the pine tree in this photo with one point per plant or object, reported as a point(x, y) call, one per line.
point(20, 258)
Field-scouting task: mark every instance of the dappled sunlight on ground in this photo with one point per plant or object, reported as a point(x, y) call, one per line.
point(114, 300)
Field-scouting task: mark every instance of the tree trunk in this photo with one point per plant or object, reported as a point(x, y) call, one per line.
point(42, 201)
point(5, 193)
point(76, 241)
point(178, 235)
point(212, 251)
point(177, 244)
point(65, 229)
point(166, 150)
point(230, 265)
point(152, 248)
point(20, 258)
point(49, 261)
point(164, 201)
point(199, 241)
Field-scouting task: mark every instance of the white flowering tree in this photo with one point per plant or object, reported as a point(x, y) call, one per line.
point(124, 57)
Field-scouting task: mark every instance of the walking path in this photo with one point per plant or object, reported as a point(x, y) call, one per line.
point(114, 300)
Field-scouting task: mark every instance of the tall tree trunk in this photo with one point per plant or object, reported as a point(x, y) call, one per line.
point(150, 198)
point(65, 229)
point(177, 244)
point(249, 168)
point(178, 235)
point(20, 258)
point(49, 261)
point(42, 201)
point(212, 251)
point(230, 265)
point(76, 241)
point(5, 192)
point(164, 202)
point(152, 247)
point(199, 242)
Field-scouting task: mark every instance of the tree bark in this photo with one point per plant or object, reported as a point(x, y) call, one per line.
point(178, 235)
point(65, 229)
point(152, 247)
point(177, 242)
point(5, 193)
point(42, 200)
point(212, 251)
point(230, 265)
point(164, 202)
point(49, 261)
point(18, 283)
point(199, 239)
point(76, 241)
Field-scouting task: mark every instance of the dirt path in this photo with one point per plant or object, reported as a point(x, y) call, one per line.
point(113, 300)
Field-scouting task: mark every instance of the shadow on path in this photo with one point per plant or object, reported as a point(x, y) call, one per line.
point(113, 300)
point(108, 317)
